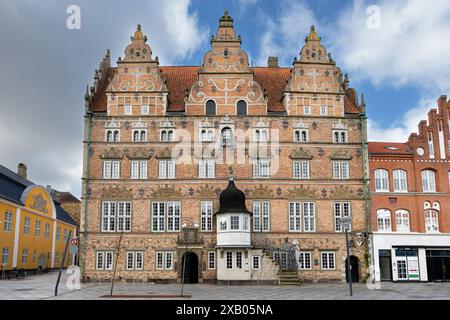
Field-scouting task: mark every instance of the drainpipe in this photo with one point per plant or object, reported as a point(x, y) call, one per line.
point(86, 192)
point(368, 221)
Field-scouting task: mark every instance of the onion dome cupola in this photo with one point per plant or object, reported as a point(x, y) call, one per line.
point(232, 200)
point(233, 219)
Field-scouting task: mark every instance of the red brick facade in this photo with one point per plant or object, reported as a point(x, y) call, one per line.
point(312, 96)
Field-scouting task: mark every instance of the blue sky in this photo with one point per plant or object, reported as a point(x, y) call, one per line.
point(402, 66)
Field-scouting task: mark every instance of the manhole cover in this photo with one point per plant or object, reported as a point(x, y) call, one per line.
point(23, 289)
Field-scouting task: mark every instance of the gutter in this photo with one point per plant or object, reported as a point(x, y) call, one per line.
point(86, 192)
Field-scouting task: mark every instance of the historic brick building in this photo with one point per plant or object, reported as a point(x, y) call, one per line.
point(162, 142)
point(410, 202)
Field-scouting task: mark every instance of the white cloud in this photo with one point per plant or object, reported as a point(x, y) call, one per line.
point(410, 47)
point(401, 128)
point(284, 34)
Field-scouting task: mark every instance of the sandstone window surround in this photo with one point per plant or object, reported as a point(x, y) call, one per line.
point(261, 216)
point(164, 260)
point(301, 135)
point(112, 135)
point(139, 135)
point(135, 260)
point(104, 260)
point(341, 210)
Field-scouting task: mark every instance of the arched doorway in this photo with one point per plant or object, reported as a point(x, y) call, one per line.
point(190, 265)
point(354, 263)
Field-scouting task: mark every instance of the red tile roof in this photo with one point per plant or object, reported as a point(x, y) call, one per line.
point(179, 81)
point(389, 148)
point(274, 81)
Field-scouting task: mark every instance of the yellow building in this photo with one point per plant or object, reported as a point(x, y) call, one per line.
point(33, 227)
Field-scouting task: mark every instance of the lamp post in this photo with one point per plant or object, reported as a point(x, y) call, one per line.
point(345, 222)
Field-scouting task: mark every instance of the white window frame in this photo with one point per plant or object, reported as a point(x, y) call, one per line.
point(341, 133)
point(47, 231)
point(24, 255)
point(135, 260)
point(400, 180)
point(341, 170)
point(26, 225)
point(111, 169)
point(206, 169)
point(5, 255)
point(167, 169)
point(206, 135)
point(301, 169)
point(261, 169)
point(127, 110)
point(102, 260)
point(167, 135)
point(7, 227)
point(307, 110)
point(305, 260)
point(328, 260)
point(260, 135)
point(341, 210)
point(428, 181)
point(145, 109)
point(58, 233)
point(116, 216)
point(301, 136)
point(381, 180)
point(261, 216)
point(431, 221)
point(114, 134)
point(384, 220)
point(295, 216)
point(206, 214)
point(139, 169)
point(323, 110)
point(139, 135)
point(162, 258)
point(402, 221)
point(309, 217)
point(37, 228)
point(167, 217)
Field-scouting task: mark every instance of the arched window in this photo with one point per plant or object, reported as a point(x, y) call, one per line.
point(402, 218)
point(170, 135)
point(227, 137)
point(428, 181)
point(143, 136)
point(384, 220)
point(301, 136)
point(242, 108)
point(431, 221)
point(210, 135)
point(116, 136)
point(109, 136)
point(400, 181)
point(210, 108)
point(381, 180)
point(164, 136)
point(136, 136)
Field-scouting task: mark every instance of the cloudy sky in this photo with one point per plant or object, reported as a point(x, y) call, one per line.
point(403, 66)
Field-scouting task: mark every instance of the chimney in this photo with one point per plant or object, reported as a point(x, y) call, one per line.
point(22, 170)
point(272, 62)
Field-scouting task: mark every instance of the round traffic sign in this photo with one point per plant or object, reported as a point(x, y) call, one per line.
point(74, 241)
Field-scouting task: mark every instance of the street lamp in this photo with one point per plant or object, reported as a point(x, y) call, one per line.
point(346, 222)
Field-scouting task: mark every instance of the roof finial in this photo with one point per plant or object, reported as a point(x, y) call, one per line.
point(313, 36)
point(230, 172)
